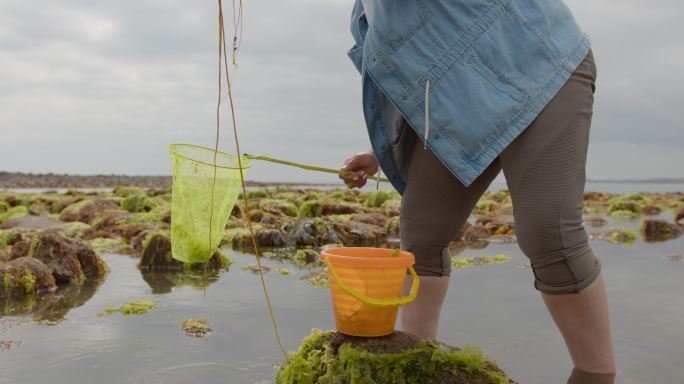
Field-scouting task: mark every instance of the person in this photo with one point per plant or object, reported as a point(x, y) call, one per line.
point(455, 92)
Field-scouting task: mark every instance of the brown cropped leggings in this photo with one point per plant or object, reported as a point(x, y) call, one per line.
point(545, 172)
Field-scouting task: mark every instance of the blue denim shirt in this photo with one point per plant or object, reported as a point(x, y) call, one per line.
point(483, 68)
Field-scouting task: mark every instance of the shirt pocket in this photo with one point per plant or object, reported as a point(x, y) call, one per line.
point(516, 53)
point(396, 21)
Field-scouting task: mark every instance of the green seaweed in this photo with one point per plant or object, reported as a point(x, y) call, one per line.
point(311, 208)
point(28, 282)
point(125, 191)
point(18, 211)
point(7, 282)
point(136, 307)
point(138, 203)
point(6, 236)
point(316, 362)
point(624, 214)
point(376, 198)
point(485, 205)
point(196, 327)
point(75, 229)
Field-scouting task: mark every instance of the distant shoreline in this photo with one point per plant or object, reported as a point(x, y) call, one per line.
point(657, 180)
point(20, 180)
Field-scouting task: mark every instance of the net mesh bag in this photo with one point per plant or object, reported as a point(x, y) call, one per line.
point(195, 231)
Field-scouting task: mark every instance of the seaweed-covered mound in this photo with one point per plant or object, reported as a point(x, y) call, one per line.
point(331, 357)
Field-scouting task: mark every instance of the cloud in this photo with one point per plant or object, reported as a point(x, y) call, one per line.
point(103, 87)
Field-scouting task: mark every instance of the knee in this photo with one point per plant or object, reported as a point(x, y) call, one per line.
point(559, 251)
point(567, 270)
point(430, 260)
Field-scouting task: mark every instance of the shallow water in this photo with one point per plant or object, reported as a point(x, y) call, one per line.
point(493, 306)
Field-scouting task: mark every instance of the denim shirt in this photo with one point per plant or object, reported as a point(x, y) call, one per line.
point(468, 76)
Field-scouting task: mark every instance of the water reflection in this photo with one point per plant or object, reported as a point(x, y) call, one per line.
point(164, 282)
point(50, 307)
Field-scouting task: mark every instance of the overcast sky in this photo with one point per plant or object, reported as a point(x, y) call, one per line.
point(104, 86)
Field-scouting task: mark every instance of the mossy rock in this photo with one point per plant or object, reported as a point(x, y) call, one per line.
point(14, 212)
point(486, 206)
point(69, 260)
point(276, 207)
point(392, 228)
point(25, 276)
point(196, 327)
point(87, 210)
point(355, 233)
point(306, 257)
point(125, 191)
point(9, 236)
point(632, 202)
point(318, 208)
point(331, 357)
point(75, 229)
point(138, 203)
point(678, 215)
point(376, 198)
point(157, 257)
point(658, 230)
point(309, 232)
point(4, 207)
point(619, 235)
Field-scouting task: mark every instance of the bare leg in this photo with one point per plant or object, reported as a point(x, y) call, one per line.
point(583, 320)
point(421, 317)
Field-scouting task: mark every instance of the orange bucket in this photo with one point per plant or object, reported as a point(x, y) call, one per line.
point(366, 287)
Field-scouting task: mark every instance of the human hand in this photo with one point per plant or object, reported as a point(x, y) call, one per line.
point(363, 164)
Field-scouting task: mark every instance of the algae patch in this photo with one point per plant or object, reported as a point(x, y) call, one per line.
point(196, 327)
point(329, 357)
point(136, 307)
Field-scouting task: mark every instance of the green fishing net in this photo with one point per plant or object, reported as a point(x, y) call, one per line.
point(196, 230)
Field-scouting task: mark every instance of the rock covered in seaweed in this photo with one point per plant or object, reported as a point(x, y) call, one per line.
point(331, 357)
point(156, 256)
point(196, 327)
point(620, 235)
point(659, 230)
point(87, 210)
point(25, 276)
point(69, 260)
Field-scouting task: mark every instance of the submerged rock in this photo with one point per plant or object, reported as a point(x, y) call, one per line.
point(650, 210)
point(318, 279)
point(679, 215)
point(331, 357)
point(306, 256)
point(25, 276)
point(615, 235)
point(50, 307)
point(595, 221)
point(196, 327)
point(658, 230)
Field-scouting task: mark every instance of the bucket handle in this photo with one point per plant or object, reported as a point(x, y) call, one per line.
point(373, 302)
